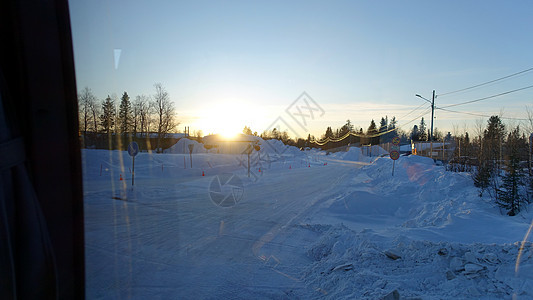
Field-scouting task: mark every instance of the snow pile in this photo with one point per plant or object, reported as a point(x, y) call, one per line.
point(430, 196)
point(274, 146)
point(448, 242)
point(182, 147)
point(353, 154)
point(277, 150)
point(420, 198)
point(360, 265)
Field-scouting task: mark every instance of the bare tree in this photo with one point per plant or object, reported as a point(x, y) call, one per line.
point(141, 114)
point(95, 112)
point(88, 113)
point(85, 99)
point(164, 113)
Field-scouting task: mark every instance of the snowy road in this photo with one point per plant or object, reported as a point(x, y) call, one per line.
point(170, 241)
point(298, 232)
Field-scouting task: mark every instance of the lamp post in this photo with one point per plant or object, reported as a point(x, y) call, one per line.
point(432, 102)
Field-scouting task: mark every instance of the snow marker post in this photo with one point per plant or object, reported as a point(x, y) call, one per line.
point(191, 146)
point(133, 150)
point(100, 169)
point(249, 151)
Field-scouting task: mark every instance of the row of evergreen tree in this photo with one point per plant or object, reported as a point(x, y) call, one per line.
point(387, 130)
point(137, 118)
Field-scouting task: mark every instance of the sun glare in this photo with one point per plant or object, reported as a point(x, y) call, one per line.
point(227, 120)
point(229, 133)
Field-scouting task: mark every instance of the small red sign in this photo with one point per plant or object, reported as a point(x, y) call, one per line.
point(394, 155)
point(396, 140)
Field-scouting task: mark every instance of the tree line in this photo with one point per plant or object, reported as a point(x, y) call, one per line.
point(126, 118)
point(498, 159)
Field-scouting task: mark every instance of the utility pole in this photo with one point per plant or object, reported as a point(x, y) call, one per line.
point(432, 102)
point(431, 134)
point(432, 113)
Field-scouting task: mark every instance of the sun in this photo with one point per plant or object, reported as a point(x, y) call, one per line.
point(230, 132)
point(226, 119)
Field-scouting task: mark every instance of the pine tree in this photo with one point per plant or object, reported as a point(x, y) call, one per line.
point(383, 124)
point(422, 136)
point(346, 128)
point(329, 132)
point(125, 114)
point(247, 130)
point(493, 139)
point(490, 152)
point(392, 123)
point(415, 134)
point(349, 125)
point(274, 133)
point(107, 118)
point(510, 194)
point(372, 130)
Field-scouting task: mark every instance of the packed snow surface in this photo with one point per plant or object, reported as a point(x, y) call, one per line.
point(303, 225)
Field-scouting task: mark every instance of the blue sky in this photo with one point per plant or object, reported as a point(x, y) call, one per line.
point(236, 63)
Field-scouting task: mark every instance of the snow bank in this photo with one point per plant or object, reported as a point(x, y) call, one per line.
point(182, 147)
point(421, 200)
point(276, 150)
point(361, 265)
point(353, 154)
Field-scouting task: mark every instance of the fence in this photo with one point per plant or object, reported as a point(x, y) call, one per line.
point(443, 151)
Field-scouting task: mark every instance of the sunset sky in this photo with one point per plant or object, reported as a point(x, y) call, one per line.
point(227, 64)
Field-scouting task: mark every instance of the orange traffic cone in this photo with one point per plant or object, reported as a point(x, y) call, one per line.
point(309, 166)
point(120, 177)
point(203, 173)
point(259, 170)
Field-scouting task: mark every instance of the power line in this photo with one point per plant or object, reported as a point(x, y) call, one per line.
point(485, 83)
point(478, 115)
point(412, 111)
point(486, 98)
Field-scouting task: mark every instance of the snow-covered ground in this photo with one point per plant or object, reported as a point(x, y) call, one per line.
point(303, 225)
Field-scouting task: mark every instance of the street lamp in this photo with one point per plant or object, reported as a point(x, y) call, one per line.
point(432, 102)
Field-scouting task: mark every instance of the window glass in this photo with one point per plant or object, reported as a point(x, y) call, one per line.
point(305, 149)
